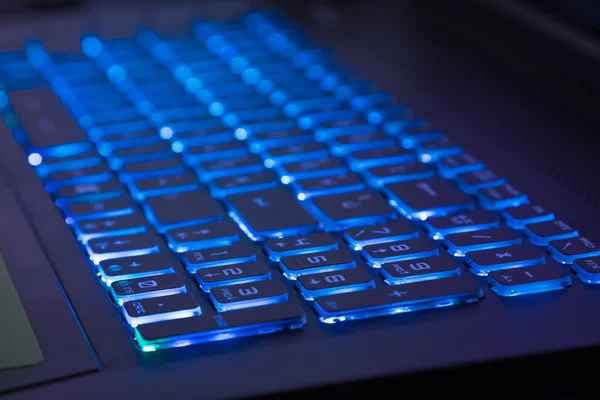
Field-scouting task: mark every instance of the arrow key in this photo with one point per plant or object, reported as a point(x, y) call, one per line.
point(133, 267)
point(214, 234)
point(328, 283)
point(209, 278)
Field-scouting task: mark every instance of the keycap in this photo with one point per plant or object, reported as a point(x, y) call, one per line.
point(95, 174)
point(99, 208)
point(432, 150)
point(420, 269)
point(182, 209)
point(328, 283)
point(380, 233)
point(450, 166)
point(294, 245)
point(475, 220)
point(155, 309)
point(482, 262)
point(195, 237)
point(500, 197)
point(109, 144)
point(344, 144)
point(153, 168)
point(377, 254)
point(81, 160)
point(214, 151)
point(93, 228)
point(345, 210)
point(387, 300)
point(262, 141)
point(217, 256)
point(245, 295)
point(325, 261)
point(306, 188)
point(209, 170)
point(528, 280)
point(210, 327)
point(121, 246)
point(302, 151)
point(541, 233)
point(133, 267)
point(146, 287)
point(408, 171)
point(228, 185)
point(216, 133)
point(518, 217)
point(426, 198)
point(163, 185)
point(270, 213)
point(460, 243)
point(587, 269)
point(209, 278)
point(156, 151)
point(566, 251)
point(311, 169)
point(362, 158)
point(471, 182)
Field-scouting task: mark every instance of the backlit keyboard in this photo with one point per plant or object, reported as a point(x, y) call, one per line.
point(275, 175)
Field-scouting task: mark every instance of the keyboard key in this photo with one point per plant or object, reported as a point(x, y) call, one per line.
point(99, 208)
point(121, 246)
point(450, 166)
point(209, 170)
point(311, 169)
point(111, 143)
point(209, 278)
point(87, 229)
point(154, 309)
point(528, 280)
point(151, 286)
point(400, 250)
point(195, 237)
point(409, 171)
point(432, 150)
point(163, 185)
point(500, 197)
point(460, 243)
point(518, 217)
point(247, 295)
point(588, 269)
point(566, 251)
point(207, 327)
point(208, 136)
point(156, 151)
point(470, 221)
point(328, 283)
point(306, 188)
point(153, 168)
point(214, 151)
point(262, 141)
point(78, 176)
point(427, 198)
point(270, 213)
point(303, 151)
point(182, 209)
point(81, 160)
point(471, 182)
point(294, 245)
point(421, 269)
point(381, 233)
point(217, 256)
point(362, 158)
point(387, 300)
point(326, 261)
point(482, 262)
point(223, 187)
point(88, 191)
point(341, 145)
point(133, 267)
point(541, 233)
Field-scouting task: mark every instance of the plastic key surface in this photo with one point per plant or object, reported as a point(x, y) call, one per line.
point(566, 251)
point(233, 254)
point(253, 294)
point(325, 261)
point(470, 221)
point(209, 278)
point(293, 245)
point(377, 254)
point(146, 287)
point(541, 233)
point(518, 217)
point(402, 172)
point(121, 246)
point(588, 269)
point(87, 229)
point(380, 233)
point(155, 309)
point(133, 267)
point(482, 262)
point(420, 269)
point(460, 243)
point(528, 280)
point(195, 237)
point(328, 283)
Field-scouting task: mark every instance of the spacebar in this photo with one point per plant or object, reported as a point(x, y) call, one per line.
point(211, 327)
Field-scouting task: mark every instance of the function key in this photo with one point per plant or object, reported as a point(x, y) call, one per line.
point(151, 286)
point(326, 261)
point(195, 237)
point(154, 309)
point(122, 246)
point(163, 185)
point(588, 269)
point(362, 158)
point(460, 243)
point(254, 294)
point(408, 171)
point(475, 220)
point(380, 233)
point(95, 228)
point(209, 278)
point(471, 182)
point(328, 283)
point(541, 233)
point(566, 251)
point(99, 208)
point(133, 267)
point(233, 254)
point(306, 188)
point(420, 269)
point(500, 197)
point(400, 250)
point(528, 280)
point(482, 262)
point(518, 217)
point(311, 243)
point(222, 187)
point(451, 166)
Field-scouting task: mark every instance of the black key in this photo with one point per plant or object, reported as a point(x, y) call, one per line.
point(567, 250)
point(470, 221)
point(247, 295)
point(541, 233)
point(588, 269)
point(167, 184)
point(450, 166)
point(205, 328)
point(156, 309)
point(482, 262)
point(208, 170)
point(95, 209)
point(328, 283)
point(294, 266)
point(151, 286)
point(312, 168)
point(518, 217)
point(311, 243)
point(470, 182)
point(428, 198)
point(133, 267)
point(460, 243)
point(94, 228)
point(151, 168)
point(431, 150)
point(380, 233)
point(188, 208)
point(528, 280)
point(421, 269)
point(209, 278)
point(500, 197)
point(400, 250)
point(409, 171)
point(89, 190)
point(213, 234)
point(385, 300)
point(120, 246)
point(327, 184)
point(80, 175)
point(342, 211)
point(228, 185)
point(375, 157)
point(272, 212)
point(234, 254)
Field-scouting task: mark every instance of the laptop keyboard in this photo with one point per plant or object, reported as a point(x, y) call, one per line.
point(274, 174)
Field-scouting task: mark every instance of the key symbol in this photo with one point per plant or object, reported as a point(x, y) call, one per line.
point(115, 268)
point(109, 223)
point(147, 284)
point(383, 231)
point(302, 242)
point(566, 246)
point(397, 293)
point(98, 206)
point(259, 201)
point(242, 179)
point(313, 281)
point(102, 245)
point(360, 233)
point(135, 264)
point(507, 278)
point(89, 225)
point(332, 304)
point(162, 182)
point(502, 255)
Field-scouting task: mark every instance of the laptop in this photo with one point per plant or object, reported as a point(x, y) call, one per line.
point(233, 199)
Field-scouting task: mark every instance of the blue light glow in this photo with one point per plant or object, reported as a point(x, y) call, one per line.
point(91, 46)
point(98, 258)
point(285, 179)
point(166, 132)
point(134, 321)
point(216, 108)
point(206, 286)
point(545, 240)
point(3, 99)
point(182, 73)
point(394, 280)
point(238, 64)
point(293, 274)
point(528, 288)
point(116, 74)
point(586, 276)
point(269, 163)
point(241, 134)
point(179, 247)
point(177, 147)
point(238, 305)
point(251, 76)
point(108, 280)
point(34, 159)
point(144, 107)
point(193, 85)
point(312, 294)
point(463, 250)
point(359, 244)
point(147, 295)
point(502, 204)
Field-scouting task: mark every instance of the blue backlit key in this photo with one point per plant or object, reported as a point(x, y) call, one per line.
point(420, 269)
point(87, 229)
point(195, 237)
point(88, 191)
point(388, 300)
point(156, 151)
point(400, 250)
point(328, 283)
point(215, 134)
point(529, 280)
point(297, 107)
point(262, 141)
point(450, 166)
point(254, 294)
point(209, 152)
point(475, 220)
point(209, 278)
point(117, 269)
point(482, 262)
point(233, 254)
point(325, 261)
point(112, 143)
point(222, 187)
point(180, 114)
point(381, 233)
point(426, 198)
point(518, 217)
point(460, 243)
point(371, 99)
point(567, 251)
point(294, 245)
point(588, 269)
point(151, 169)
point(394, 112)
point(401, 172)
point(52, 164)
point(541, 233)
point(239, 103)
point(163, 185)
point(471, 182)
point(393, 154)
point(303, 151)
point(120, 131)
point(500, 197)
point(345, 210)
point(307, 188)
point(122, 246)
point(311, 169)
point(432, 150)
point(99, 208)
point(97, 173)
point(209, 170)
point(361, 141)
point(154, 309)
point(146, 287)
point(329, 119)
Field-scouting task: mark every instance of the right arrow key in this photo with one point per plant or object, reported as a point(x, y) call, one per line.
point(327, 283)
